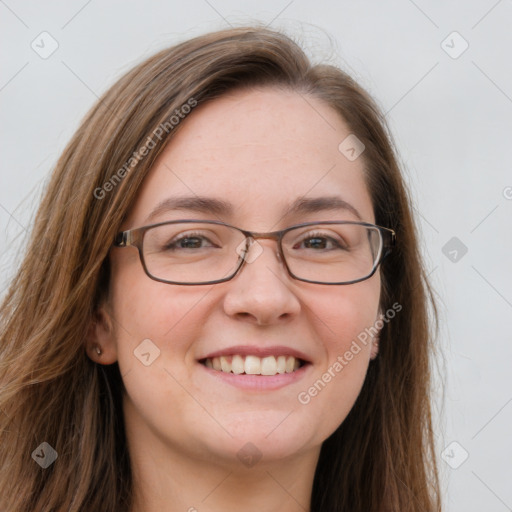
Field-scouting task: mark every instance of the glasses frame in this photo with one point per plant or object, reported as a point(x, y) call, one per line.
point(135, 238)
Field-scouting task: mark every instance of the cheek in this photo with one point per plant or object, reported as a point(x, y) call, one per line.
point(162, 320)
point(343, 322)
point(145, 308)
point(155, 329)
point(346, 313)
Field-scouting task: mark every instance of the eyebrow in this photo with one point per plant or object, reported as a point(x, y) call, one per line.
point(219, 207)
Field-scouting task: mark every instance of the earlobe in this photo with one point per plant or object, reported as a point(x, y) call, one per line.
point(375, 340)
point(100, 339)
point(375, 347)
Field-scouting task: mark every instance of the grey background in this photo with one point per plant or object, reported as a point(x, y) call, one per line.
point(451, 119)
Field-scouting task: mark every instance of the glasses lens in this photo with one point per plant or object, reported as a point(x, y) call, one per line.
point(332, 253)
point(192, 252)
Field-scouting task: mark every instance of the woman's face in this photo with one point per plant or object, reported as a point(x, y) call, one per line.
point(258, 151)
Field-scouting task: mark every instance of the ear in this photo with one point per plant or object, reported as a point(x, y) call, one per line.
point(375, 347)
point(100, 340)
point(375, 341)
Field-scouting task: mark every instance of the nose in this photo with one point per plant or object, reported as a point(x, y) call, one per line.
point(262, 291)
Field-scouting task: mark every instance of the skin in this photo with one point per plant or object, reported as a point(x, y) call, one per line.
point(259, 150)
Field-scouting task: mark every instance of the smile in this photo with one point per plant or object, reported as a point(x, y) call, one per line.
point(253, 365)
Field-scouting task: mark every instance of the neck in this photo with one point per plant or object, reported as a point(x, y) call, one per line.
point(213, 490)
point(172, 478)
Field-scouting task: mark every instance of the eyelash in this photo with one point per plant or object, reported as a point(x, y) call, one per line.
point(306, 236)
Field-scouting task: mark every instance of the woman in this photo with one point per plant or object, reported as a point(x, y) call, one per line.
point(223, 302)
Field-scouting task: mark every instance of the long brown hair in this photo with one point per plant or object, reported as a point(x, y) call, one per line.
point(382, 456)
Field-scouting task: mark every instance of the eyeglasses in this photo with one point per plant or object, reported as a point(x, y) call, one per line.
point(194, 252)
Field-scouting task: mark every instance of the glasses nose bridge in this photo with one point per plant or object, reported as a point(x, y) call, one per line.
point(271, 235)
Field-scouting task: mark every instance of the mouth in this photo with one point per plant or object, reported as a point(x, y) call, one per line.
point(249, 364)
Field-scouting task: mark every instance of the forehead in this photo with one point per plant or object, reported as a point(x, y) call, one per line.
point(261, 151)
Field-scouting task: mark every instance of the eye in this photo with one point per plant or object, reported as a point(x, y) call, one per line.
point(320, 241)
point(193, 240)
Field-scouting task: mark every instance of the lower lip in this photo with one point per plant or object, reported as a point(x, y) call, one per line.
point(259, 382)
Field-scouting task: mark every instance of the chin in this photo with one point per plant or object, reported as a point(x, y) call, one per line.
point(267, 435)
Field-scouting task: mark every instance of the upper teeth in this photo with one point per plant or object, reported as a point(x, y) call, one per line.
point(253, 365)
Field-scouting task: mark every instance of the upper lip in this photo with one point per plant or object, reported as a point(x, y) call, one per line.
point(257, 350)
